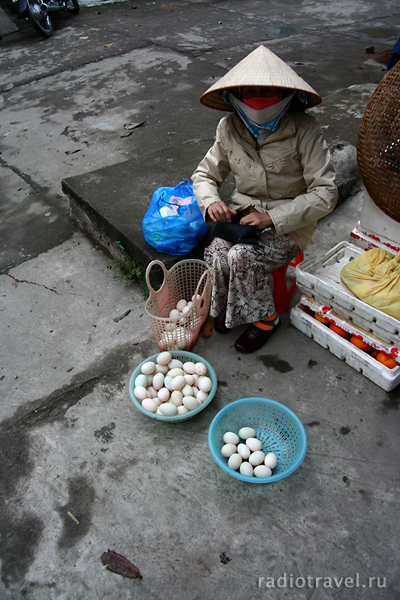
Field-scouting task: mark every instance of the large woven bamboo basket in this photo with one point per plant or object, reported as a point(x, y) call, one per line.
point(378, 144)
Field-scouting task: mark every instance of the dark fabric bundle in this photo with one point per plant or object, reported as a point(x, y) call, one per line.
point(234, 232)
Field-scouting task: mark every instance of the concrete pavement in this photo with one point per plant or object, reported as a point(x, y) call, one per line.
point(82, 469)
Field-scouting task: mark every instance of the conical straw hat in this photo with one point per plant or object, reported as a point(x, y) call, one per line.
point(260, 68)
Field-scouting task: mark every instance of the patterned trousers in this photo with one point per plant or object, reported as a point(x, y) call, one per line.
point(240, 276)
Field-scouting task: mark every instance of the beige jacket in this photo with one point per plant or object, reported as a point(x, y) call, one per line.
point(290, 176)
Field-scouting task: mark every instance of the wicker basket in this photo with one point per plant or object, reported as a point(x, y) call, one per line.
point(277, 427)
point(189, 280)
point(378, 145)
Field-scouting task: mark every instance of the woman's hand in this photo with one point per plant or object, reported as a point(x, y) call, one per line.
point(260, 220)
point(219, 211)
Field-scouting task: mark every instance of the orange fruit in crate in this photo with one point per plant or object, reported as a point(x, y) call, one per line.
point(338, 330)
point(374, 353)
point(321, 319)
point(308, 310)
point(360, 343)
point(386, 360)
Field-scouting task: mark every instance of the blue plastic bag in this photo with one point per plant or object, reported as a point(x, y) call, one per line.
point(173, 223)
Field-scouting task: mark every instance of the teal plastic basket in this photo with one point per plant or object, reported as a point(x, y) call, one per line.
point(277, 427)
point(184, 356)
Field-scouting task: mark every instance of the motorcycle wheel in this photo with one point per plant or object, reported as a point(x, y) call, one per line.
point(39, 19)
point(72, 6)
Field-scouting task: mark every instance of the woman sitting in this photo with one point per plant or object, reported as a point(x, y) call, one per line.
point(285, 183)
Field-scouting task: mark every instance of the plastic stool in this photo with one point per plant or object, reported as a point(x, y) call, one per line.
point(282, 293)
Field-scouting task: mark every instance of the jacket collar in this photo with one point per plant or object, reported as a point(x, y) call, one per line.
point(286, 128)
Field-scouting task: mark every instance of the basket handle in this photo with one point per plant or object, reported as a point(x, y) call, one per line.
point(149, 267)
point(206, 277)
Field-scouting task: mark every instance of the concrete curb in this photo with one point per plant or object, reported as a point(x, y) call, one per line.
point(107, 222)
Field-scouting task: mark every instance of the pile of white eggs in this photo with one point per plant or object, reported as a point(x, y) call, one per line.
point(170, 386)
point(177, 334)
point(248, 457)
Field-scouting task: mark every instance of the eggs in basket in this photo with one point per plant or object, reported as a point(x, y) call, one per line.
point(173, 385)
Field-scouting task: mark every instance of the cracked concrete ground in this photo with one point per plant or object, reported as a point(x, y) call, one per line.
point(81, 469)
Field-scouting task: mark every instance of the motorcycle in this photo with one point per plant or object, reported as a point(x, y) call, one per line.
point(38, 12)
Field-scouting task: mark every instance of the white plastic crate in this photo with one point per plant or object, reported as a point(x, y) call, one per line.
point(362, 362)
point(367, 240)
point(320, 278)
point(367, 336)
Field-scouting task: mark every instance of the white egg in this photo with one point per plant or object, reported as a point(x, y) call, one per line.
point(175, 364)
point(177, 383)
point(189, 379)
point(170, 326)
point(149, 404)
point(141, 380)
point(271, 460)
point(196, 379)
point(234, 461)
point(186, 309)
point(189, 367)
point(166, 340)
point(244, 451)
point(200, 368)
point(181, 304)
point(177, 397)
point(151, 391)
point(168, 409)
point(158, 412)
point(180, 334)
point(163, 395)
point(175, 372)
point(256, 458)
point(174, 314)
point(246, 432)
point(158, 381)
point(196, 297)
point(149, 379)
point(187, 390)
point(182, 410)
point(228, 449)
point(262, 471)
point(230, 438)
point(190, 402)
point(164, 358)
point(200, 395)
point(162, 369)
point(140, 392)
point(205, 383)
point(148, 367)
point(254, 444)
point(246, 469)
point(167, 382)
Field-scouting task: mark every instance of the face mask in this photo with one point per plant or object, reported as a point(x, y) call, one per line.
point(259, 120)
point(260, 102)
